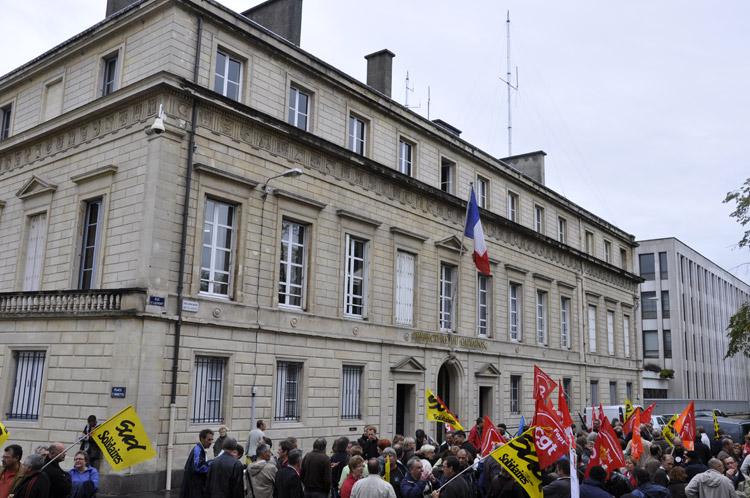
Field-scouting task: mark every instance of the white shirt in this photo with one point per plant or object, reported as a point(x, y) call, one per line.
point(372, 486)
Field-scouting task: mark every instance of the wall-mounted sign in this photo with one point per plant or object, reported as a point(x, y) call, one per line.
point(118, 392)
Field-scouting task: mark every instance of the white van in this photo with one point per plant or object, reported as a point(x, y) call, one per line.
point(618, 411)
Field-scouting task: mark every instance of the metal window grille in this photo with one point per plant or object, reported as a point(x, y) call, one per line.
point(218, 239)
point(350, 392)
point(89, 243)
point(357, 135)
point(299, 108)
point(483, 305)
point(287, 390)
point(27, 386)
point(611, 333)
point(209, 389)
point(515, 393)
point(541, 317)
point(110, 70)
point(404, 157)
point(356, 277)
point(228, 77)
point(515, 323)
point(405, 288)
point(565, 322)
point(447, 282)
point(292, 267)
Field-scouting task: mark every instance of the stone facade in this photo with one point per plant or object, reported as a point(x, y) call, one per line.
point(322, 365)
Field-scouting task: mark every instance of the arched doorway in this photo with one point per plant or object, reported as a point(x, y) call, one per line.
point(448, 391)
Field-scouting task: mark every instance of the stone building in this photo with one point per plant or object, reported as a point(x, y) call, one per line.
point(284, 246)
point(686, 304)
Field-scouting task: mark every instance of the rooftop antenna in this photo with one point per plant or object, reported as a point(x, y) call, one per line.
point(410, 89)
point(508, 82)
point(428, 102)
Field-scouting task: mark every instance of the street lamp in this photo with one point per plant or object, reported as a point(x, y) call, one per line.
point(291, 173)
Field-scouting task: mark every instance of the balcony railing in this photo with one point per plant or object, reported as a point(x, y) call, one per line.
point(71, 301)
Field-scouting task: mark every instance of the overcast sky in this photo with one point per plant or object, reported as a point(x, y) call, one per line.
point(642, 107)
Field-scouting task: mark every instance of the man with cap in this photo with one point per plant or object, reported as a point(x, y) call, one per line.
point(593, 486)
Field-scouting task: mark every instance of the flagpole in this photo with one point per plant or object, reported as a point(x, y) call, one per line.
point(68, 448)
point(460, 256)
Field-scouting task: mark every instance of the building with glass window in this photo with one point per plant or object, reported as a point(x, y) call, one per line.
point(200, 219)
point(686, 302)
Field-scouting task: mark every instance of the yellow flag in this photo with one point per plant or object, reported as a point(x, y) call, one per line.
point(518, 456)
point(4, 434)
point(123, 440)
point(628, 408)
point(668, 430)
point(438, 412)
point(716, 427)
point(387, 476)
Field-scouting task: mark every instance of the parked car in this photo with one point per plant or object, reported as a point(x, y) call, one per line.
point(736, 429)
point(710, 413)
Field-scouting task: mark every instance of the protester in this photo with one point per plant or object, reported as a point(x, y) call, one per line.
point(316, 471)
point(647, 489)
point(678, 480)
point(224, 478)
point(84, 478)
point(59, 480)
point(89, 445)
point(36, 484)
point(288, 483)
point(219, 442)
point(262, 473)
point(711, 483)
point(369, 442)
point(454, 486)
point(11, 473)
point(413, 485)
point(42, 450)
point(732, 471)
point(254, 439)
point(373, 486)
point(356, 468)
point(560, 487)
point(397, 469)
point(593, 486)
point(196, 467)
point(475, 434)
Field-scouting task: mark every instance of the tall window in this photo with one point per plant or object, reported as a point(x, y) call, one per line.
point(589, 242)
point(539, 219)
point(483, 305)
point(567, 391)
point(648, 305)
point(512, 207)
point(287, 390)
point(27, 385)
point(293, 264)
point(482, 192)
point(607, 251)
point(447, 286)
point(665, 304)
point(667, 343)
point(611, 332)
point(594, 393)
point(405, 157)
point(405, 263)
point(646, 262)
point(663, 266)
point(299, 108)
point(624, 259)
point(110, 73)
point(218, 243)
point(209, 389)
point(650, 344)
point(541, 318)
point(515, 394)
point(5, 114)
point(514, 306)
point(89, 244)
point(592, 328)
point(35, 242)
point(227, 80)
point(562, 230)
point(447, 176)
point(357, 135)
point(355, 283)
point(629, 390)
point(613, 393)
point(626, 334)
point(351, 392)
point(565, 321)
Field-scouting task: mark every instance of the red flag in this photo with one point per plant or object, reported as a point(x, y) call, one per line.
point(608, 448)
point(549, 437)
point(490, 436)
point(601, 413)
point(636, 445)
point(543, 384)
point(685, 426)
point(633, 423)
point(646, 414)
point(550, 406)
point(562, 407)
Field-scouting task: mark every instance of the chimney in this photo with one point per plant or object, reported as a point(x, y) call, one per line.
point(379, 71)
point(117, 5)
point(530, 164)
point(283, 17)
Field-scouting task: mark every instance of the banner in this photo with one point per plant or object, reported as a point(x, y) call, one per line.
point(668, 430)
point(685, 426)
point(438, 412)
point(628, 408)
point(607, 451)
point(543, 384)
point(633, 423)
point(562, 407)
point(646, 414)
point(387, 474)
point(490, 437)
point(518, 457)
point(550, 440)
point(123, 440)
point(716, 426)
point(636, 445)
point(4, 434)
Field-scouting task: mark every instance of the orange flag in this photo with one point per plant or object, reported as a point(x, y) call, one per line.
point(685, 426)
point(636, 445)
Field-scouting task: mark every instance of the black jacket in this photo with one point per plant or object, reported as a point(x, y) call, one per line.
point(59, 480)
point(224, 479)
point(34, 486)
point(288, 483)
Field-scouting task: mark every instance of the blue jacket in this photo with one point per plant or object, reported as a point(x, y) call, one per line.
point(412, 488)
point(591, 488)
point(651, 490)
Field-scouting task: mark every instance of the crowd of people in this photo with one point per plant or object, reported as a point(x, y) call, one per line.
point(419, 467)
point(42, 474)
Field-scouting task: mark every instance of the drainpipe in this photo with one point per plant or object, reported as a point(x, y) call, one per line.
point(183, 249)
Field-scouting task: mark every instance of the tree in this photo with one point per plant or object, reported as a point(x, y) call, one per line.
point(739, 324)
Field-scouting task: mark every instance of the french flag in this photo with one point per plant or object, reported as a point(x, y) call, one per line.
point(474, 231)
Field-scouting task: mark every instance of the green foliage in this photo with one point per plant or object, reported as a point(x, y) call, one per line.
point(667, 373)
point(742, 209)
point(652, 367)
point(739, 331)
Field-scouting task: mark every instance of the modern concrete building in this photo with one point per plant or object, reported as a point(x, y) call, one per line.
point(285, 240)
point(686, 304)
